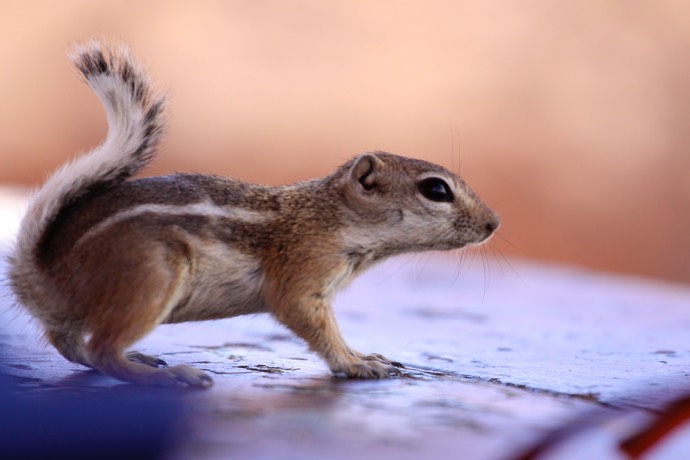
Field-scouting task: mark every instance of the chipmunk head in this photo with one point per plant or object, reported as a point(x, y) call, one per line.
point(400, 204)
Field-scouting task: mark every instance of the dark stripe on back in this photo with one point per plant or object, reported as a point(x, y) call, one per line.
point(104, 200)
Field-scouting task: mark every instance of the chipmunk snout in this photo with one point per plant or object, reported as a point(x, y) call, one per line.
point(491, 224)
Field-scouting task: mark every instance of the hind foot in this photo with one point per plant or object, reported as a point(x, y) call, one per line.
point(182, 374)
point(173, 377)
point(122, 368)
point(190, 376)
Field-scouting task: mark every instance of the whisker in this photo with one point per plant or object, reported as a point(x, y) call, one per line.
point(460, 258)
point(510, 265)
point(472, 253)
point(403, 263)
point(421, 261)
point(487, 274)
point(495, 251)
point(454, 144)
point(504, 238)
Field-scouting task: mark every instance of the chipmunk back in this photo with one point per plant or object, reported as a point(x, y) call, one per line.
point(101, 258)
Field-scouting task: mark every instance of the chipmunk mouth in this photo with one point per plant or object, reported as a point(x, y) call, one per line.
point(476, 237)
point(483, 237)
point(481, 241)
point(470, 237)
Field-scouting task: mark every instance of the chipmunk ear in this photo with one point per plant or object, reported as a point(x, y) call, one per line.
point(365, 171)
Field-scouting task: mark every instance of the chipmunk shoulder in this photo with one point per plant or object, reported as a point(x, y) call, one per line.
point(101, 258)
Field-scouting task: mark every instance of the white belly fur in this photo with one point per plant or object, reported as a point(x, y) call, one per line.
point(225, 282)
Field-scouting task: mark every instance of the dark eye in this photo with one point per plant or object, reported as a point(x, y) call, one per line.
point(435, 189)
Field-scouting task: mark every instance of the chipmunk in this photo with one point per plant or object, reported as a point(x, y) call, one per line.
point(101, 259)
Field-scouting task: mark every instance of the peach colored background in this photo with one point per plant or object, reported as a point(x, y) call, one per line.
point(572, 119)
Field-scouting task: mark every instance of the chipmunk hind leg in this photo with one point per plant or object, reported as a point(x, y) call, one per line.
point(69, 343)
point(142, 298)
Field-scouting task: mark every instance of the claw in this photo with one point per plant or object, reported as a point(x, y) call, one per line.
point(146, 359)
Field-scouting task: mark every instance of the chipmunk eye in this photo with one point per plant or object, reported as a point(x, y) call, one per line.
point(435, 189)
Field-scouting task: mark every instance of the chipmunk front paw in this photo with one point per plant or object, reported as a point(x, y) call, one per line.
point(380, 358)
point(373, 366)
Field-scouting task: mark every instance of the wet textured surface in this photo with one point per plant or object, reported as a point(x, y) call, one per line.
point(495, 361)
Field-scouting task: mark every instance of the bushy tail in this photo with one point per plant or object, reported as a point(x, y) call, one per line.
point(135, 126)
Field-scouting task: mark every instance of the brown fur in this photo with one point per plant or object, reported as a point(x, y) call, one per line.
point(121, 256)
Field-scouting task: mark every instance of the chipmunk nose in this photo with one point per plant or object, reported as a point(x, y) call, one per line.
point(493, 224)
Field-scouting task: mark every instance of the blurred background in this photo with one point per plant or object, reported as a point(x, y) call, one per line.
point(571, 119)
